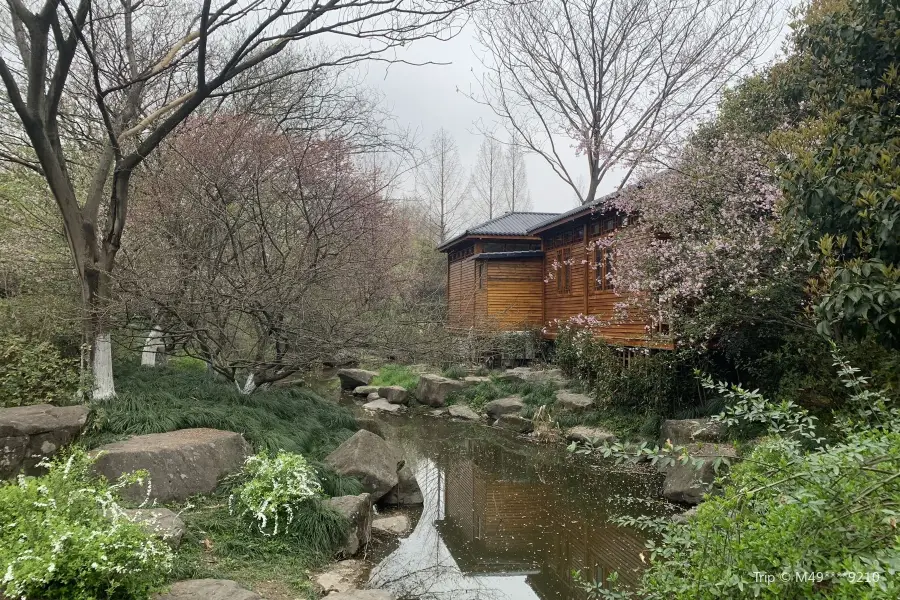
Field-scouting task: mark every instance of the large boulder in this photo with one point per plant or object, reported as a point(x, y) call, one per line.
point(407, 491)
point(688, 484)
point(180, 463)
point(354, 378)
point(365, 390)
point(363, 595)
point(461, 411)
point(160, 522)
point(687, 431)
point(394, 394)
point(476, 379)
point(370, 459)
point(208, 589)
point(573, 402)
point(511, 405)
point(434, 389)
point(594, 435)
point(514, 423)
point(358, 510)
point(28, 434)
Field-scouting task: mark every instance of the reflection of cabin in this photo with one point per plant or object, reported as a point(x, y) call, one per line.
point(495, 274)
point(543, 268)
point(501, 519)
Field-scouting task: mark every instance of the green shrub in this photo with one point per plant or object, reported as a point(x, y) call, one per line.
point(33, 372)
point(165, 399)
point(275, 491)
point(64, 537)
point(401, 375)
point(799, 517)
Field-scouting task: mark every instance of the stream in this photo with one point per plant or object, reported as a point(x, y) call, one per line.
point(506, 519)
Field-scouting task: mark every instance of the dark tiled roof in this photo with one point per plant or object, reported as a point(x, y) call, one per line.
point(511, 254)
point(581, 208)
point(513, 223)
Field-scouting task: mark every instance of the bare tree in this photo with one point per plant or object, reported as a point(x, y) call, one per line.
point(516, 196)
point(624, 79)
point(441, 184)
point(487, 179)
point(93, 88)
point(261, 252)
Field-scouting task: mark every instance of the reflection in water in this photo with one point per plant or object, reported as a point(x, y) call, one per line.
point(505, 520)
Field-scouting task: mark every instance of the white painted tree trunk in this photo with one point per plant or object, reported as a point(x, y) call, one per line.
point(249, 386)
point(102, 370)
point(153, 346)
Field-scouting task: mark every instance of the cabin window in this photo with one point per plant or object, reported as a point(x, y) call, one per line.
point(564, 271)
point(598, 264)
point(609, 224)
point(607, 268)
point(479, 274)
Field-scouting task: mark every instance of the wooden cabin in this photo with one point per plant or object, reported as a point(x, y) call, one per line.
point(495, 274)
point(550, 269)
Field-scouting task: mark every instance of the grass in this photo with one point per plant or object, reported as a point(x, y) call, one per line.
point(171, 398)
point(533, 394)
point(218, 544)
point(393, 374)
point(454, 372)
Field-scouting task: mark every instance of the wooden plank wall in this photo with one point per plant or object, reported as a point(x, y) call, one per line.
point(461, 293)
point(514, 290)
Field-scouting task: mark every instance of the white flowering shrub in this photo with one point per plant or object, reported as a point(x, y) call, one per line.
point(63, 536)
point(275, 491)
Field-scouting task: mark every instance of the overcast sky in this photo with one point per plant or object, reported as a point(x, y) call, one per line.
point(426, 98)
point(429, 97)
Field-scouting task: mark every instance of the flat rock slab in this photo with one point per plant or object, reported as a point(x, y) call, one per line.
point(476, 379)
point(434, 389)
point(573, 401)
point(394, 394)
point(181, 463)
point(594, 435)
point(511, 405)
point(161, 522)
point(392, 525)
point(365, 390)
point(370, 459)
point(461, 411)
point(353, 378)
point(28, 434)
point(382, 405)
point(686, 431)
point(357, 510)
point(208, 589)
point(535, 375)
point(514, 423)
point(344, 576)
point(362, 595)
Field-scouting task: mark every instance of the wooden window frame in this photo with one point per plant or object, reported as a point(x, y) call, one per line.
point(480, 268)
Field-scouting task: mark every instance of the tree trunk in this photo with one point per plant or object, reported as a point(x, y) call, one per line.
point(94, 288)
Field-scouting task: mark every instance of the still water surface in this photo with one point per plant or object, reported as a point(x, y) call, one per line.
point(505, 519)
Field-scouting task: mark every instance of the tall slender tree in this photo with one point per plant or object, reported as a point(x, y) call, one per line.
point(487, 180)
point(442, 185)
point(516, 195)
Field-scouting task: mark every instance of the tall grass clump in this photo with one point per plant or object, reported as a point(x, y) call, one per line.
point(401, 375)
point(166, 399)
